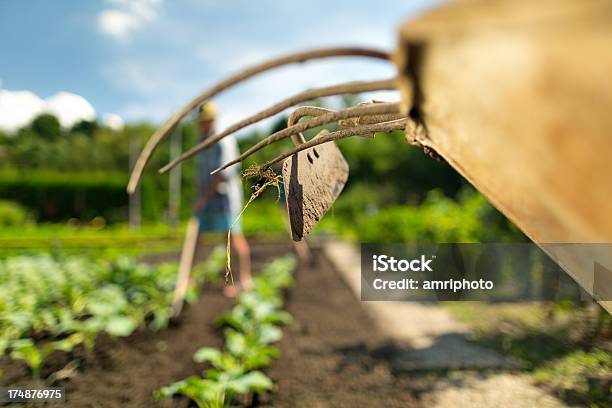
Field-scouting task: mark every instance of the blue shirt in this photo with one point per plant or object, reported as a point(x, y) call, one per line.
point(228, 197)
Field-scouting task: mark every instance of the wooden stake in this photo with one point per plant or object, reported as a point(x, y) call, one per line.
point(186, 263)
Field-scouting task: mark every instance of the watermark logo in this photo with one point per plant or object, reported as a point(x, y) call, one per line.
point(384, 263)
point(490, 272)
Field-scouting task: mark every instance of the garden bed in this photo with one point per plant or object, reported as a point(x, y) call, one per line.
point(328, 356)
point(334, 355)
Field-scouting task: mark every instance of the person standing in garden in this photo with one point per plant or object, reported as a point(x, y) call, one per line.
point(219, 196)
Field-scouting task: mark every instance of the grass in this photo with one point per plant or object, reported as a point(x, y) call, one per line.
point(566, 348)
point(574, 375)
point(72, 234)
point(263, 217)
point(88, 239)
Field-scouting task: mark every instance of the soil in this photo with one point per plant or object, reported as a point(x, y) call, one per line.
point(334, 355)
point(331, 356)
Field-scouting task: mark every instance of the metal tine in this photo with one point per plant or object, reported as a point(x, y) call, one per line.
point(332, 136)
point(316, 111)
point(341, 89)
point(399, 124)
point(243, 75)
point(299, 113)
point(321, 120)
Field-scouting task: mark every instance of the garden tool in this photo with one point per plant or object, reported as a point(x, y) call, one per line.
point(313, 179)
point(186, 263)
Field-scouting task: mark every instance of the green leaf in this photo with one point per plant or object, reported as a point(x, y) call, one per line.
point(235, 342)
point(4, 343)
point(204, 392)
point(208, 354)
point(25, 349)
point(120, 326)
point(277, 317)
point(269, 333)
point(249, 349)
point(169, 390)
point(66, 344)
point(106, 301)
point(255, 381)
point(161, 318)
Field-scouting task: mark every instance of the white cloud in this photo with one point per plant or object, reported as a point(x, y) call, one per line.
point(272, 87)
point(159, 89)
point(117, 23)
point(127, 16)
point(197, 50)
point(112, 121)
point(70, 108)
point(18, 108)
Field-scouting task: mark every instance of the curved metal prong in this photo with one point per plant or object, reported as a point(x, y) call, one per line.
point(219, 87)
point(325, 119)
point(340, 134)
point(332, 136)
point(347, 88)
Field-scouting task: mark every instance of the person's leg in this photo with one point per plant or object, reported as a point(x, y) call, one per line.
point(243, 250)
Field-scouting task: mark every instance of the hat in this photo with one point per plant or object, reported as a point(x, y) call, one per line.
point(207, 112)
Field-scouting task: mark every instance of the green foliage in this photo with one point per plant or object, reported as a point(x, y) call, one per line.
point(570, 373)
point(438, 219)
point(562, 348)
point(391, 164)
point(254, 326)
point(80, 298)
point(86, 151)
point(85, 127)
point(254, 351)
point(257, 319)
point(469, 218)
point(388, 178)
point(91, 239)
point(219, 389)
point(58, 196)
point(34, 356)
point(13, 214)
point(46, 126)
point(265, 216)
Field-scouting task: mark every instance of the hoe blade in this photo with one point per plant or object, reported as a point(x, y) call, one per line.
point(313, 179)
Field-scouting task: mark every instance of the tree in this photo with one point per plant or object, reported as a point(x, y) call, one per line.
point(279, 124)
point(47, 126)
point(85, 127)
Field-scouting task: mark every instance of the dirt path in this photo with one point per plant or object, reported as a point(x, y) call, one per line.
point(433, 346)
point(334, 355)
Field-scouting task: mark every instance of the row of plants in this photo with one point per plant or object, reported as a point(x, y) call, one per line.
point(251, 328)
point(57, 303)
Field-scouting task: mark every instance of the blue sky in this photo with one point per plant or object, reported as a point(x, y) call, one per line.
point(142, 59)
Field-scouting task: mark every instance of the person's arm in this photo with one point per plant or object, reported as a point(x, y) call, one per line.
point(208, 192)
